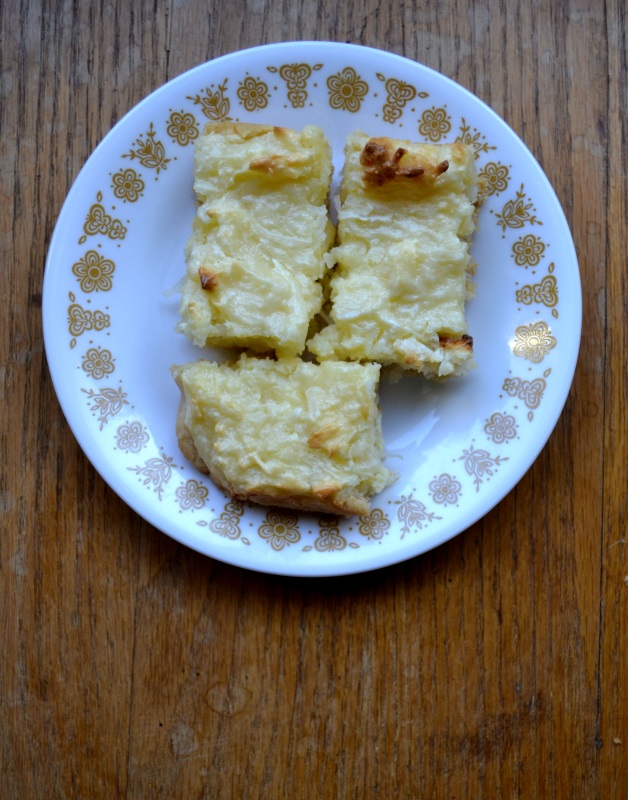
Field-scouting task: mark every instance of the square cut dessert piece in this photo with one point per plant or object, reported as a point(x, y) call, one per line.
point(285, 432)
point(402, 278)
point(259, 237)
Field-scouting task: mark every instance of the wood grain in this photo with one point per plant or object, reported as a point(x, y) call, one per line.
point(491, 667)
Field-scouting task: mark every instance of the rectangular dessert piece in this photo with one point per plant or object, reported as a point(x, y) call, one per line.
point(259, 237)
point(286, 432)
point(403, 260)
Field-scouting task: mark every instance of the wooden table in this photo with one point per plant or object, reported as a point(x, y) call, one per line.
point(494, 666)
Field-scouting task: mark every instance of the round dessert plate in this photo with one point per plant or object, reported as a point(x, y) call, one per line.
point(110, 312)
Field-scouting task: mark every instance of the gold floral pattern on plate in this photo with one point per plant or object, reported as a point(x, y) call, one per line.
point(214, 103)
point(518, 212)
point(473, 138)
point(99, 222)
point(131, 437)
point(398, 95)
point(530, 391)
point(82, 319)
point(544, 293)
point(106, 403)
point(149, 151)
point(445, 490)
point(94, 272)
point(296, 77)
point(156, 473)
point(280, 529)
point(500, 428)
point(227, 524)
point(528, 250)
point(374, 526)
point(329, 538)
point(412, 513)
point(191, 495)
point(98, 363)
point(182, 127)
point(495, 177)
point(127, 185)
point(480, 464)
point(347, 90)
point(435, 123)
point(533, 342)
point(252, 93)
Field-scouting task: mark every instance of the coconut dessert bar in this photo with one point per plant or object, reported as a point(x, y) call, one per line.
point(285, 432)
point(403, 257)
point(260, 234)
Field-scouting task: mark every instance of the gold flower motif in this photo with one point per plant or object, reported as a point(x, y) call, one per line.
point(191, 495)
point(98, 221)
point(252, 94)
point(280, 530)
point(182, 127)
point(445, 490)
point(481, 465)
point(473, 138)
point(329, 538)
point(516, 212)
point(94, 272)
point(215, 105)
point(82, 319)
point(545, 292)
point(495, 177)
point(149, 151)
point(127, 185)
point(524, 295)
point(531, 392)
point(533, 341)
point(376, 525)
point(500, 428)
point(228, 524)
point(398, 94)
point(107, 403)
point(347, 90)
point(435, 123)
point(413, 513)
point(156, 473)
point(528, 251)
point(131, 437)
point(296, 77)
point(100, 320)
point(98, 363)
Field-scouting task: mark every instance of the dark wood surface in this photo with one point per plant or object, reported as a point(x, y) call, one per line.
point(494, 666)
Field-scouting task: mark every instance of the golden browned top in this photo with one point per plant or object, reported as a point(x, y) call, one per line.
point(383, 161)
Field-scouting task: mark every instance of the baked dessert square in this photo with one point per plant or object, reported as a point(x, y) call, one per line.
point(403, 260)
point(285, 432)
point(259, 237)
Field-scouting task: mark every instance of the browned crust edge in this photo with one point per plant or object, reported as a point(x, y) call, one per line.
point(464, 342)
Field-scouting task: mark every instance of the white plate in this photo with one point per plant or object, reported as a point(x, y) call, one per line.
point(109, 322)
